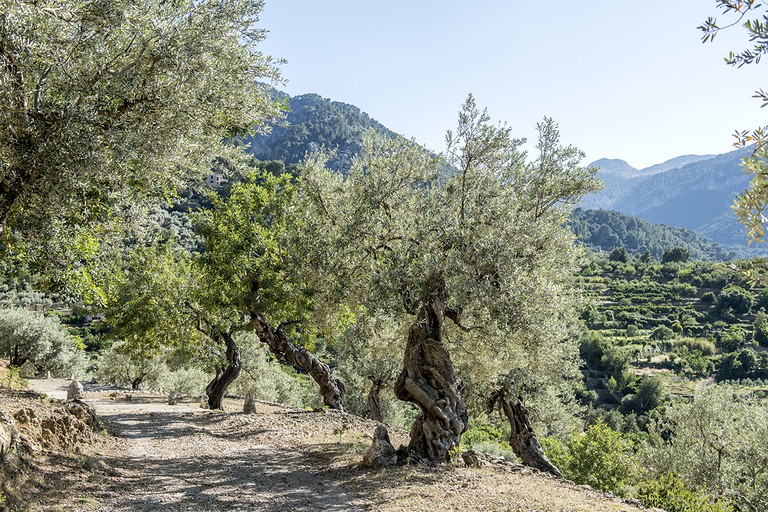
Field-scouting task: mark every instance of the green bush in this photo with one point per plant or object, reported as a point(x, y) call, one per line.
point(735, 299)
point(706, 347)
point(662, 333)
point(760, 328)
point(477, 433)
point(600, 457)
point(675, 254)
point(33, 339)
point(731, 340)
point(118, 365)
point(619, 254)
point(189, 382)
point(715, 444)
point(668, 492)
point(265, 377)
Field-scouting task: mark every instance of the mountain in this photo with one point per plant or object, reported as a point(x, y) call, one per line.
point(313, 122)
point(674, 163)
point(692, 191)
point(606, 230)
point(620, 178)
point(615, 167)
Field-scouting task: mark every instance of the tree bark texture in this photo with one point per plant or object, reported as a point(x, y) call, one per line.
point(16, 358)
point(429, 380)
point(225, 375)
point(136, 383)
point(522, 438)
point(374, 400)
point(331, 388)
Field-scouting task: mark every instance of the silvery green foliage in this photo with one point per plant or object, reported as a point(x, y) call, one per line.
point(263, 375)
point(491, 231)
point(107, 102)
point(28, 337)
point(370, 350)
point(716, 444)
point(121, 364)
point(184, 382)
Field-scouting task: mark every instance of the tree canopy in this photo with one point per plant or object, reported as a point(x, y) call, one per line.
point(108, 102)
point(484, 247)
point(751, 204)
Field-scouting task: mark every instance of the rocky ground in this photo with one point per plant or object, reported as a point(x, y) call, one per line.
point(146, 455)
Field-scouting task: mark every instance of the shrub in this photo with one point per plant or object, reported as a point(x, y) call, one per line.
point(599, 457)
point(707, 298)
point(650, 393)
point(760, 328)
point(184, 381)
point(119, 366)
point(668, 492)
point(731, 340)
point(674, 254)
point(734, 298)
point(26, 337)
point(715, 444)
point(264, 376)
point(706, 347)
point(619, 254)
point(662, 333)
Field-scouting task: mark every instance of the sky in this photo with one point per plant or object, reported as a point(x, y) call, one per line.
point(626, 79)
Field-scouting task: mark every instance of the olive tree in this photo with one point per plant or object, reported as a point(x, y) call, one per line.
point(471, 257)
point(751, 204)
point(716, 445)
point(105, 103)
point(27, 337)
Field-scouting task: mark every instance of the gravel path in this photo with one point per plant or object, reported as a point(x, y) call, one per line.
point(161, 457)
point(184, 458)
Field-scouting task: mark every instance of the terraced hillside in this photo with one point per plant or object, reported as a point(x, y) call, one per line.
point(682, 322)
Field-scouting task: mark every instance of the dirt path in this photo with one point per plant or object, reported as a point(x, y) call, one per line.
point(159, 457)
point(182, 457)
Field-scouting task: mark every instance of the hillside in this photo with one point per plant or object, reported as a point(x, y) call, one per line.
point(690, 191)
point(161, 457)
point(694, 192)
point(605, 230)
point(312, 122)
point(683, 323)
point(621, 179)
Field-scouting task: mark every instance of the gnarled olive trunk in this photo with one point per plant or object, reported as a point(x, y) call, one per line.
point(429, 380)
point(136, 383)
point(522, 438)
point(374, 400)
point(16, 358)
point(331, 388)
point(225, 375)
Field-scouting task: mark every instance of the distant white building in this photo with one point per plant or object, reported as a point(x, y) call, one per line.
point(216, 180)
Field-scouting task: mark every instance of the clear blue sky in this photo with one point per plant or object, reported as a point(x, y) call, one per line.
point(624, 79)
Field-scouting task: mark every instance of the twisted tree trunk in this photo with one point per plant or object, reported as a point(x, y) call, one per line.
point(225, 375)
point(429, 380)
point(331, 388)
point(374, 401)
point(522, 438)
point(136, 383)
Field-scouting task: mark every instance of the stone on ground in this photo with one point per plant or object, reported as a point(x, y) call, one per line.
point(249, 407)
point(381, 453)
point(75, 390)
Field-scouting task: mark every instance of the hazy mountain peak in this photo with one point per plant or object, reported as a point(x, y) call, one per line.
point(614, 167)
point(674, 163)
